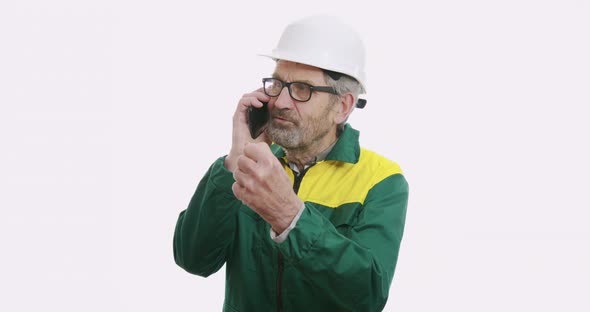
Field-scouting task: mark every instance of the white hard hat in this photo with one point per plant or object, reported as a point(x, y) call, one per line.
point(325, 42)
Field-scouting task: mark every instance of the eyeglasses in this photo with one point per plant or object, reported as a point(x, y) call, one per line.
point(299, 91)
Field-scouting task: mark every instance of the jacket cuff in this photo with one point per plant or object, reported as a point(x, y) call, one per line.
point(302, 238)
point(283, 236)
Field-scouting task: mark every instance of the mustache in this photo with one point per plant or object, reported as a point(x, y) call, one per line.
point(284, 115)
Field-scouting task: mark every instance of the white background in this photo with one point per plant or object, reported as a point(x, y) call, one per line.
point(112, 111)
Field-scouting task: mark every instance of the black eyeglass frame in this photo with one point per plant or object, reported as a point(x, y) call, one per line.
point(312, 88)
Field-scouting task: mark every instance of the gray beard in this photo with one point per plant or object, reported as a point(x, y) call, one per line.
point(288, 138)
point(297, 138)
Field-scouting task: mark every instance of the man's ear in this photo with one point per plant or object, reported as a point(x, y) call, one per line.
point(343, 108)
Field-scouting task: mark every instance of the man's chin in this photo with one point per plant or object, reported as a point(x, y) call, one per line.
point(282, 136)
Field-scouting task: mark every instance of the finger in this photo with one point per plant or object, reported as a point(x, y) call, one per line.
point(246, 165)
point(259, 93)
point(237, 190)
point(241, 113)
point(242, 193)
point(261, 96)
point(254, 99)
point(240, 177)
point(249, 101)
point(257, 151)
point(244, 180)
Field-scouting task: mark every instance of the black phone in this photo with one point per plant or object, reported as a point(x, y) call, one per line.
point(257, 119)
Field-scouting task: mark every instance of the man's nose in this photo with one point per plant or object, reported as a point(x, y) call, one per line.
point(284, 100)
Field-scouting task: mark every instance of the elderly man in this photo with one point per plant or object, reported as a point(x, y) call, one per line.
point(312, 222)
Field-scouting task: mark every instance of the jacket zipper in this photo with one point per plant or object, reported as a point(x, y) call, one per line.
point(296, 184)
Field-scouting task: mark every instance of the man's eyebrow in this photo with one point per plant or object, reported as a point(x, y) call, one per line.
point(277, 76)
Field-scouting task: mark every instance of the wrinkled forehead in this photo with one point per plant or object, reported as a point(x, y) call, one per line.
point(291, 71)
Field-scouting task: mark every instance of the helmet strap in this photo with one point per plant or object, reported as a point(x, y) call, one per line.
point(361, 103)
point(334, 75)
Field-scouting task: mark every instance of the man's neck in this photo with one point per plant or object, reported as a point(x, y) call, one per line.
point(304, 157)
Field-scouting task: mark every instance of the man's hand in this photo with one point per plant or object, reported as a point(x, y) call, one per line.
point(263, 185)
point(240, 133)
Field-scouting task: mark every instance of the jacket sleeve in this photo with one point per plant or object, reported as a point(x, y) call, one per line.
point(354, 271)
point(205, 230)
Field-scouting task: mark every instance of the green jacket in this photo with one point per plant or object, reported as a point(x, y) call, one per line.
point(340, 256)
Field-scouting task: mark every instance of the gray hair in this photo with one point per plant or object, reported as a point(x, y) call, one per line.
point(343, 84)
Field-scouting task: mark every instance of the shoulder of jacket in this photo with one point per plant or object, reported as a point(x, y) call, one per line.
point(379, 164)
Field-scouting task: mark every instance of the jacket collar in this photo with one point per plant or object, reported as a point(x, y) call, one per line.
point(346, 149)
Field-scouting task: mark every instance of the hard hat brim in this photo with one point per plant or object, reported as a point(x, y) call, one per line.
point(276, 56)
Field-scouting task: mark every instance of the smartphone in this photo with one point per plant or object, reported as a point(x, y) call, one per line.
point(257, 119)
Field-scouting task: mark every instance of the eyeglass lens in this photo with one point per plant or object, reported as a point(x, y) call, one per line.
point(298, 90)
